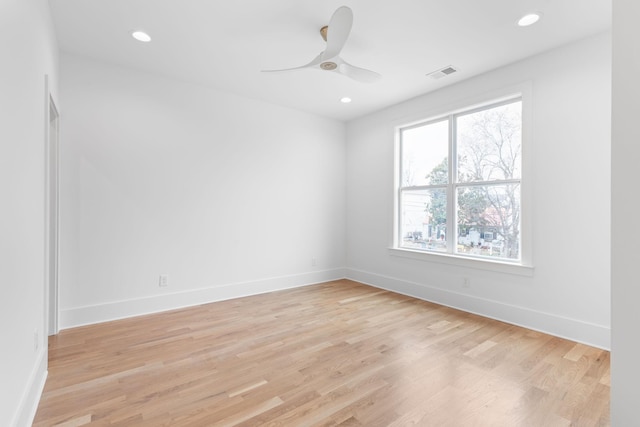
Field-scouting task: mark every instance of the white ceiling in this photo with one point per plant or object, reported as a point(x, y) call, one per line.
point(225, 44)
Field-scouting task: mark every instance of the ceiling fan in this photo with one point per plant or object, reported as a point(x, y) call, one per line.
point(336, 34)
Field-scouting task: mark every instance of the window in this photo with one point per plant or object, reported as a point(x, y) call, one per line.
point(460, 184)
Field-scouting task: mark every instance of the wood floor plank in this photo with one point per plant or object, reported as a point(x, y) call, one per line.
point(333, 354)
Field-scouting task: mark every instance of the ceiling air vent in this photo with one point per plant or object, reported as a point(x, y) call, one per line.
point(442, 72)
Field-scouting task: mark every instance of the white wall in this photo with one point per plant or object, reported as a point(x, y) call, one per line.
point(569, 292)
point(226, 195)
point(28, 49)
point(625, 249)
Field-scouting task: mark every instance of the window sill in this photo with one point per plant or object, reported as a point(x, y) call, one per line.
point(465, 262)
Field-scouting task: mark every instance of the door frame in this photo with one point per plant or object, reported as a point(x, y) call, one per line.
point(52, 209)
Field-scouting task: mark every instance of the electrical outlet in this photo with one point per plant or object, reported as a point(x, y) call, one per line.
point(36, 340)
point(313, 262)
point(164, 281)
point(466, 283)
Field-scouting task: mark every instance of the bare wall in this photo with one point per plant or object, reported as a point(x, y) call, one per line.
point(225, 195)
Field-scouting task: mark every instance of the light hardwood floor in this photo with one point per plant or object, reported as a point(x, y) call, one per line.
point(338, 353)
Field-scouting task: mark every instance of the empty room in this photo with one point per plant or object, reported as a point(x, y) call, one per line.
point(319, 213)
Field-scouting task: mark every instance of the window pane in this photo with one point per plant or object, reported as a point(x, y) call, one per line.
point(489, 144)
point(489, 221)
point(424, 154)
point(423, 216)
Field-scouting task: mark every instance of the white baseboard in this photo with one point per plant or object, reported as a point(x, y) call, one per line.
point(79, 316)
point(26, 411)
point(563, 327)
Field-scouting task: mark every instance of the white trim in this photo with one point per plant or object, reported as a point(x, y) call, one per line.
point(28, 404)
point(451, 228)
point(550, 323)
point(493, 265)
point(51, 321)
point(526, 190)
point(463, 104)
point(87, 315)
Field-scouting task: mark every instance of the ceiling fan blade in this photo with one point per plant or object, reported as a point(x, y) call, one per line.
point(359, 74)
point(338, 32)
point(317, 60)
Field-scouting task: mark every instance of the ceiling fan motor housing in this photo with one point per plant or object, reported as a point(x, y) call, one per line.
point(328, 65)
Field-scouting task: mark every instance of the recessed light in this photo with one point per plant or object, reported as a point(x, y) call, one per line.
point(529, 19)
point(345, 100)
point(141, 36)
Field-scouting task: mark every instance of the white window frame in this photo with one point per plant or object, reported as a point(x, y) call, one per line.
point(523, 266)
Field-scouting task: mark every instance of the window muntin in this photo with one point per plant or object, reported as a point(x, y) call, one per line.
point(479, 192)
